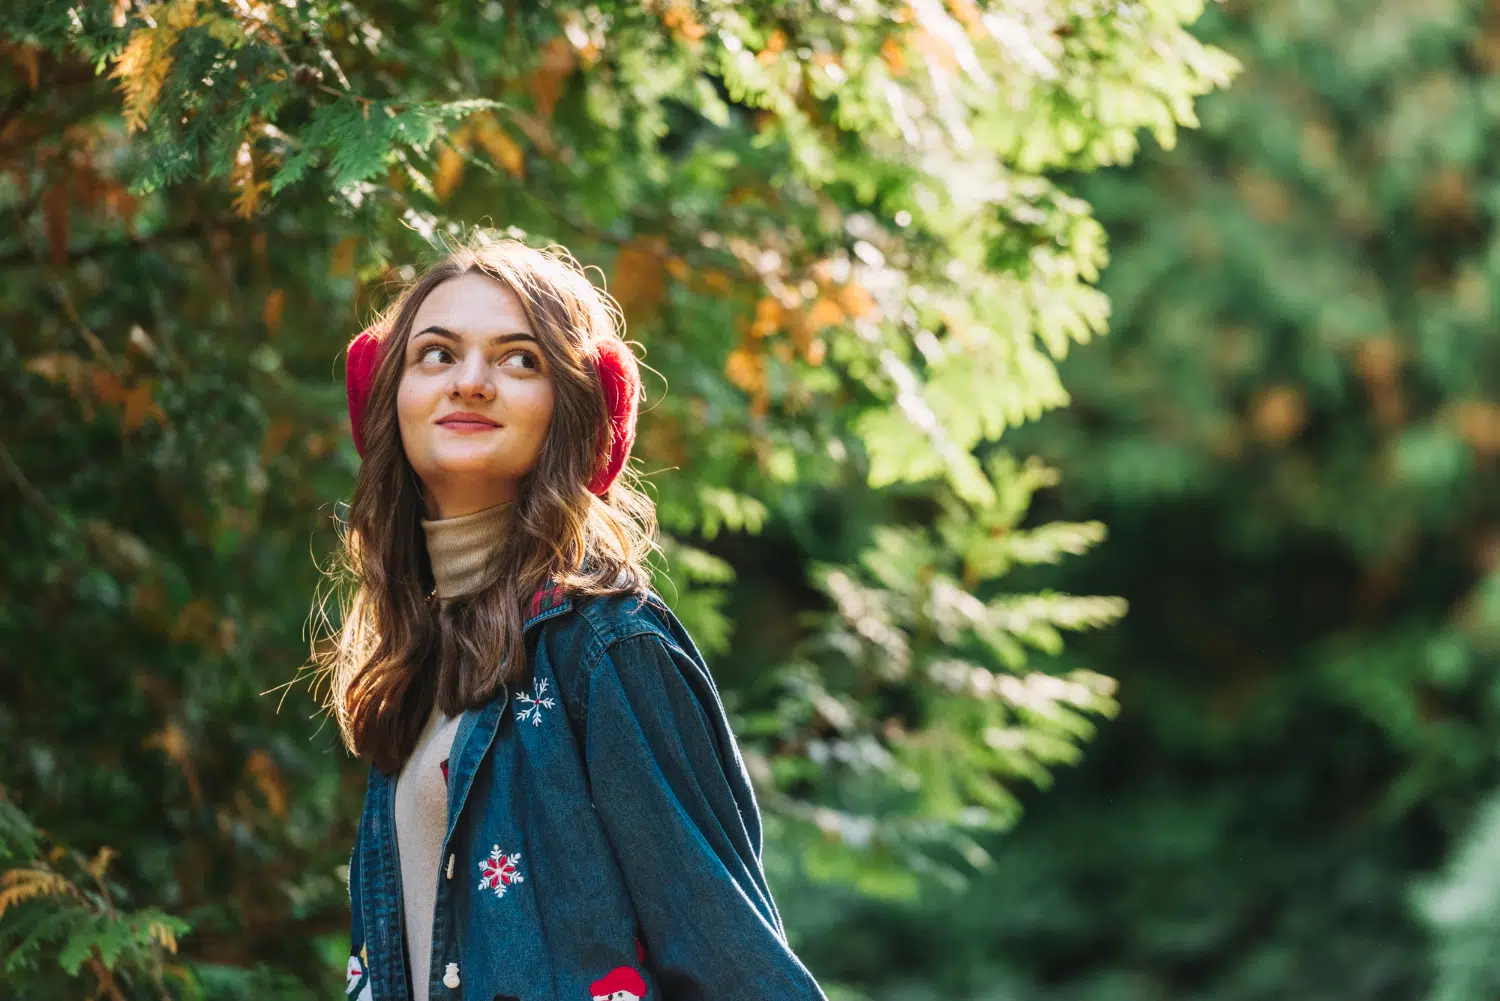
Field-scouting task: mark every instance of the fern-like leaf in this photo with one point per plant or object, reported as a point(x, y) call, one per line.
point(20, 885)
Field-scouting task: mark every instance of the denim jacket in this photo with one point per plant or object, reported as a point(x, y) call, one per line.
point(603, 841)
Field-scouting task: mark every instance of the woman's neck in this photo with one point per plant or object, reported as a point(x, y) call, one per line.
point(462, 549)
point(458, 497)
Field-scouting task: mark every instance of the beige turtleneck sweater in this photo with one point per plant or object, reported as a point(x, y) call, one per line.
point(460, 550)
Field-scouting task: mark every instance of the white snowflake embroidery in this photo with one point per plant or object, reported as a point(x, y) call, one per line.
point(500, 871)
point(534, 706)
point(356, 979)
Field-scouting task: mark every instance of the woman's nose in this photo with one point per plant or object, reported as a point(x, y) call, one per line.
point(472, 377)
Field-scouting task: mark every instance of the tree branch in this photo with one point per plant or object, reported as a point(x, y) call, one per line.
point(26, 488)
point(190, 231)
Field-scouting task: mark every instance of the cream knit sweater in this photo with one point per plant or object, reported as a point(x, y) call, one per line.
point(460, 549)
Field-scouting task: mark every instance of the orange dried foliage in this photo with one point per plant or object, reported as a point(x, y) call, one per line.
point(93, 383)
point(768, 317)
point(450, 170)
point(143, 65)
point(20, 885)
point(173, 742)
point(740, 194)
point(271, 310)
point(194, 623)
point(824, 313)
point(100, 862)
point(1446, 197)
point(148, 602)
point(504, 152)
point(138, 406)
point(342, 260)
point(936, 51)
point(1479, 426)
point(1485, 44)
point(1378, 362)
point(277, 435)
point(266, 777)
point(557, 62)
point(662, 439)
point(716, 281)
point(745, 369)
point(856, 300)
point(775, 45)
point(895, 58)
point(537, 131)
point(1279, 414)
point(247, 190)
point(968, 14)
point(679, 19)
point(28, 61)
point(638, 283)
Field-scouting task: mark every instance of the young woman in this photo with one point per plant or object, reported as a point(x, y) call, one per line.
point(557, 809)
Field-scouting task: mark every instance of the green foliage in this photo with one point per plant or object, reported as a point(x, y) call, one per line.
point(1463, 909)
point(1293, 434)
point(18, 836)
point(910, 625)
point(60, 909)
point(363, 138)
point(840, 233)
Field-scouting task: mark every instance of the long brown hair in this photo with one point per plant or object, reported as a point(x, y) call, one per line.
point(398, 649)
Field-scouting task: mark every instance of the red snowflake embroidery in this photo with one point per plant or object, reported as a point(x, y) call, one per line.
point(620, 984)
point(500, 871)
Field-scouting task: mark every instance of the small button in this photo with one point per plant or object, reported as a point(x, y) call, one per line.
point(450, 979)
point(450, 866)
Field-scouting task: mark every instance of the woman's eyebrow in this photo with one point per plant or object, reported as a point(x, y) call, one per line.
point(497, 339)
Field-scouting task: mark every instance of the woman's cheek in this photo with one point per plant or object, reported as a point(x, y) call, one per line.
point(411, 414)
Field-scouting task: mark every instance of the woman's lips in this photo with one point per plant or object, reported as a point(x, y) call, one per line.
point(468, 423)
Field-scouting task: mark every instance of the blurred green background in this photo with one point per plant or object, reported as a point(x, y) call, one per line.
point(870, 252)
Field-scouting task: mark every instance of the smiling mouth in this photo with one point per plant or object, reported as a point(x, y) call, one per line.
point(468, 422)
point(460, 425)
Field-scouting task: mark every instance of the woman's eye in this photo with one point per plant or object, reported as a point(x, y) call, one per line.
point(435, 353)
point(523, 358)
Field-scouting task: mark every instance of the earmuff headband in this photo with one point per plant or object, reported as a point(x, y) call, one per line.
point(619, 381)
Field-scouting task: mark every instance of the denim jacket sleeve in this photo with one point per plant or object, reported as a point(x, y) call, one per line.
point(675, 801)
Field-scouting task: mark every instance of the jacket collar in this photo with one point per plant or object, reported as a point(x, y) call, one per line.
point(550, 599)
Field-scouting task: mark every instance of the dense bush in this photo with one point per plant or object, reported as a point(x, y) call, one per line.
point(837, 232)
point(1292, 432)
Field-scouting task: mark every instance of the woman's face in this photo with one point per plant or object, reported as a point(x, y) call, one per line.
point(475, 398)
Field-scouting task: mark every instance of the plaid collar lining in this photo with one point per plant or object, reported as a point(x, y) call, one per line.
point(548, 600)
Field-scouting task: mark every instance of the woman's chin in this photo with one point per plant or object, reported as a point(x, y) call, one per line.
point(476, 462)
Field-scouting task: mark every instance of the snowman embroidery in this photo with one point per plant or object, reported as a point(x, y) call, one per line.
point(353, 974)
point(620, 984)
point(535, 705)
point(500, 871)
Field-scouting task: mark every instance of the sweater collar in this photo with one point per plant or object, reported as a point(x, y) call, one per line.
point(461, 550)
